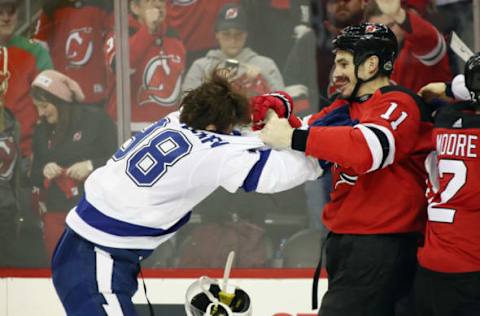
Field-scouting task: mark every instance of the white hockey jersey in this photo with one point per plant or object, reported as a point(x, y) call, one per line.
point(147, 190)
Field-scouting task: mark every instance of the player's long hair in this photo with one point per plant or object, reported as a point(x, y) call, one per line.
point(215, 102)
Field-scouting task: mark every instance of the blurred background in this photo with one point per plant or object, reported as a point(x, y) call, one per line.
point(134, 59)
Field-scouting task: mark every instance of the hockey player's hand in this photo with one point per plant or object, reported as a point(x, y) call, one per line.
point(433, 90)
point(392, 8)
point(152, 19)
point(52, 170)
point(277, 133)
point(279, 101)
point(80, 170)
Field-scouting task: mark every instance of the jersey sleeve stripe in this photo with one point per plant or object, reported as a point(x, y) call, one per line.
point(93, 217)
point(391, 143)
point(374, 145)
point(381, 144)
point(251, 181)
point(435, 55)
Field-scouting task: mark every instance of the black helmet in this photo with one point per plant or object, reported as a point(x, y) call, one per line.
point(472, 76)
point(368, 39)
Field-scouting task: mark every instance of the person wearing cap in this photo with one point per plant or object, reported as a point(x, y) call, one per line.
point(69, 142)
point(157, 61)
point(255, 73)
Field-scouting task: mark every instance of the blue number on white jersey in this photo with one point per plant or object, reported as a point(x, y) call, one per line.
point(150, 162)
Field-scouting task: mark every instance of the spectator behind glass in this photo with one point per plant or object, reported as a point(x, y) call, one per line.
point(9, 136)
point(74, 32)
point(25, 61)
point(157, 61)
point(281, 30)
point(70, 141)
point(195, 21)
point(254, 73)
point(423, 48)
point(338, 14)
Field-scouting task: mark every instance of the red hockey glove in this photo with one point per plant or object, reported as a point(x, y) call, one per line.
point(280, 102)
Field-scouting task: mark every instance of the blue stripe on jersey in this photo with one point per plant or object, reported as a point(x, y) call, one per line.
point(100, 221)
point(251, 181)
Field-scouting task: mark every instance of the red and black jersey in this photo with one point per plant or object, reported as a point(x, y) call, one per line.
point(157, 62)
point(195, 21)
point(378, 175)
point(424, 50)
point(75, 36)
point(452, 240)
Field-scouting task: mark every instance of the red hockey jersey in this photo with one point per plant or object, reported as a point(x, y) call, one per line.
point(378, 175)
point(423, 57)
point(195, 21)
point(452, 240)
point(75, 37)
point(157, 63)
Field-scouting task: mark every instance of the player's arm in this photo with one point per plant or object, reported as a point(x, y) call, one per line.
point(280, 170)
point(386, 135)
point(267, 170)
point(456, 89)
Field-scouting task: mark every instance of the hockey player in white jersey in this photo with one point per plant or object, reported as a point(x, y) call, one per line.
point(146, 192)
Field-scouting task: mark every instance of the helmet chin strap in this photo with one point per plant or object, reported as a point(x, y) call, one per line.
point(353, 96)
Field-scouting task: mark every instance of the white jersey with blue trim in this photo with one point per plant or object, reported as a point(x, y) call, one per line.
point(147, 190)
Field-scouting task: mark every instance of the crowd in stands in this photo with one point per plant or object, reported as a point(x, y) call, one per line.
point(58, 103)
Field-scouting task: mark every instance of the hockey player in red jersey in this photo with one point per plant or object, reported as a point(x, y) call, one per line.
point(75, 32)
point(157, 60)
point(448, 279)
point(377, 205)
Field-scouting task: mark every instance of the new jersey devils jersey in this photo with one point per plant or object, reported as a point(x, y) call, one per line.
point(157, 63)
point(75, 37)
point(378, 173)
point(146, 192)
point(424, 50)
point(452, 240)
point(195, 21)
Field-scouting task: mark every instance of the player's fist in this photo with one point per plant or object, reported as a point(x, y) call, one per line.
point(277, 133)
point(280, 102)
point(152, 19)
point(52, 170)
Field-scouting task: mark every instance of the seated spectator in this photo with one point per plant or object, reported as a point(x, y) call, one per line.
point(256, 74)
point(157, 63)
point(9, 137)
point(70, 141)
point(195, 20)
point(423, 48)
point(25, 60)
point(75, 35)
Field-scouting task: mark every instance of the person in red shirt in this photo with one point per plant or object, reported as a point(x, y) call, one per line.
point(195, 22)
point(75, 32)
point(25, 61)
point(423, 48)
point(448, 279)
point(157, 60)
point(376, 212)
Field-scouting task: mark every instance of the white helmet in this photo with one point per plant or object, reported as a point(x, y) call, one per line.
point(202, 299)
